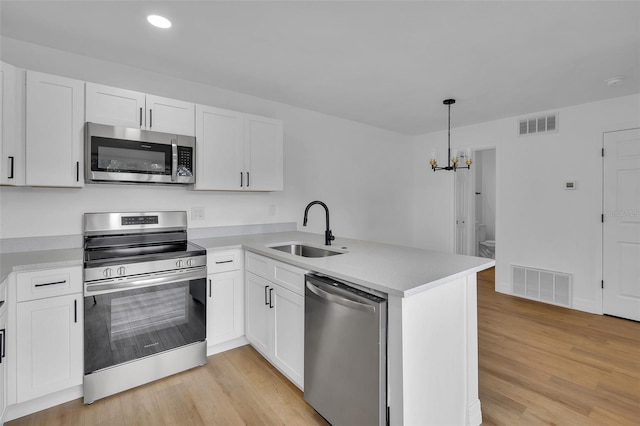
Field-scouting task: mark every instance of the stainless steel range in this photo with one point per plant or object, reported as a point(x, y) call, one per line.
point(145, 314)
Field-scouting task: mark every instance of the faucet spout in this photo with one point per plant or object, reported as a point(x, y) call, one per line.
point(328, 236)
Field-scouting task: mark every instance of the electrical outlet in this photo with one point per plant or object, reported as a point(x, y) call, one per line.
point(197, 213)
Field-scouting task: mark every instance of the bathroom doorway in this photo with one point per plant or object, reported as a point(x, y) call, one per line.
point(475, 206)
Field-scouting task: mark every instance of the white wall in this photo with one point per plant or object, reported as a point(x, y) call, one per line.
point(538, 222)
point(358, 170)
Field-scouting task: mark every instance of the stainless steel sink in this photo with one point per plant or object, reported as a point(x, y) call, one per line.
point(305, 250)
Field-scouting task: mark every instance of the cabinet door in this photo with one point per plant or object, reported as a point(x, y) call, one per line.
point(263, 153)
point(114, 106)
point(54, 136)
point(257, 312)
point(49, 345)
point(3, 364)
point(170, 115)
point(288, 334)
point(219, 149)
point(11, 125)
point(225, 307)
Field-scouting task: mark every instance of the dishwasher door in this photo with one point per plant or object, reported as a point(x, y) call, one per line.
point(345, 347)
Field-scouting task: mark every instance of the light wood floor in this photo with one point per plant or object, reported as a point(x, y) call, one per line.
point(539, 365)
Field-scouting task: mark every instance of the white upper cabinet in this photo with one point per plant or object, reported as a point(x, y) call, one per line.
point(237, 152)
point(127, 108)
point(54, 130)
point(263, 158)
point(11, 125)
point(117, 107)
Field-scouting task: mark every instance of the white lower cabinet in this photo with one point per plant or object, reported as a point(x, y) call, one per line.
point(225, 296)
point(48, 332)
point(275, 313)
point(3, 351)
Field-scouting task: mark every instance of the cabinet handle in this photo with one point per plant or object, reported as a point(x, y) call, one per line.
point(223, 261)
point(77, 171)
point(11, 167)
point(209, 288)
point(140, 116)
point(3, 343)
point(53, 283)
point(247, 179)
point(150, 118)
point(1, 303)
point(270, 298)
point(241, 179)
point(265, 294)
point(75, 311)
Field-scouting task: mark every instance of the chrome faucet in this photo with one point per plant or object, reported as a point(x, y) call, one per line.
point(328, 236)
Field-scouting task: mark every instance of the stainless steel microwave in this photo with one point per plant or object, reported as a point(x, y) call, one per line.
point(126, 155)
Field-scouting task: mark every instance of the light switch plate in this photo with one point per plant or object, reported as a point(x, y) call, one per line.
point(197, 213)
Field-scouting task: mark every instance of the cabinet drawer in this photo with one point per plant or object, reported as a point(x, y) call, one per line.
point(289, 277)
point(258, 265)
point(48, 283)
point(223, 261)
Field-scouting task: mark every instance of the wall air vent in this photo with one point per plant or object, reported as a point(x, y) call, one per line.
point(542, 124)
point(544, 286)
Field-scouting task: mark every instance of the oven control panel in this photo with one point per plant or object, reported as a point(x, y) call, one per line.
point(139, 220)
point(123, 272)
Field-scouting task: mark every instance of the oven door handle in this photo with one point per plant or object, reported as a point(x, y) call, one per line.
point(97, 288)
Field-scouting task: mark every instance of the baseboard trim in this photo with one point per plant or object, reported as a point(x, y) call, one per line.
point(29, 407)
point(226, 346)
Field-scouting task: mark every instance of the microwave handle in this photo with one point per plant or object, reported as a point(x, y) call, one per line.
point(174, 160)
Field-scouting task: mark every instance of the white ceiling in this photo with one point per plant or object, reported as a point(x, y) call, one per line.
point(386, 63)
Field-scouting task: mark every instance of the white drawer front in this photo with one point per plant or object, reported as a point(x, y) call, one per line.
point(223, 261)
point(48, 283)
point(289, 277)
point(259, 265)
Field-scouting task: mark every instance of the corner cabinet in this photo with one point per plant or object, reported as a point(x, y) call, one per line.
point(237, 151)
point(275, 313)
point(225, 296)
point(54, 130)
point(48, 332)
point(12, 161)
point(127, 108)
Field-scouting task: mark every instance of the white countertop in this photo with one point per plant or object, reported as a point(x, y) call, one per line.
point(391, 269)
point(45, 259)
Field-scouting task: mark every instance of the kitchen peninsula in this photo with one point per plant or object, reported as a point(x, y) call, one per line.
point(432, 356)
point(432, 318)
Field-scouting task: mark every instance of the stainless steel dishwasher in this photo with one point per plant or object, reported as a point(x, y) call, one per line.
point(345, 352)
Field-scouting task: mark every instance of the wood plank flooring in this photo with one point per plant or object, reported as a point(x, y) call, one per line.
point(539, 365)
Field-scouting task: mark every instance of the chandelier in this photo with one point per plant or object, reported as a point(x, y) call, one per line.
point(453, 160)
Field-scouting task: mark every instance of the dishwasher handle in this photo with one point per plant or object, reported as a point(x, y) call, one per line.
point(340, 299)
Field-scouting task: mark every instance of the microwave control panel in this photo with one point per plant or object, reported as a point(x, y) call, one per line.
point(185, 161)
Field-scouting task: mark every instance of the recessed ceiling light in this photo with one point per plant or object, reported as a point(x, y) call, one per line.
point(614, 81)
point(159, 21)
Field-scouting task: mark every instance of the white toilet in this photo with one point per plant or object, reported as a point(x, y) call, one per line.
point(486, 248)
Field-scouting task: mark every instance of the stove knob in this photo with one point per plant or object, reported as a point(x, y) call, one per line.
point(179, 263)
point(190, 262)
point(107, 272)
point(122, 270)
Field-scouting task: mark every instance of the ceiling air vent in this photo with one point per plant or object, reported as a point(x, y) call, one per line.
point(542, 124)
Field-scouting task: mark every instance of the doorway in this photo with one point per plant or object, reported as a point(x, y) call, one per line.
point(621, 224)
point(475, 206)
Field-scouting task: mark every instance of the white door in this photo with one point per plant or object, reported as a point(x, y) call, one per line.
point(219, 149)
point(463, 212)
point(225, 307)
point(288, 333)
point(54, 130)
point(621, 227)
point(11, 129)
point(114, 106)
point(170, 115)
point(263, 158)
point(49, 345)
point(258, 322)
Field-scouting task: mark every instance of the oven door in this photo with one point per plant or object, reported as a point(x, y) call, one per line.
point(136, 319)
